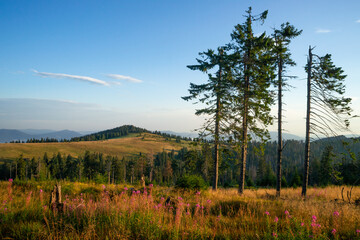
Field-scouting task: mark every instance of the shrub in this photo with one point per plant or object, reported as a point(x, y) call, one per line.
point(193, 182)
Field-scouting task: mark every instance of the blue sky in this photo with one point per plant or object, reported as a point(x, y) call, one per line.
point(94, 65)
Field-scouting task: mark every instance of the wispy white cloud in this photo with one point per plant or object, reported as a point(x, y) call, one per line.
point(357, 21)
point(121, 77)
point(75, 77)
point(321, 30)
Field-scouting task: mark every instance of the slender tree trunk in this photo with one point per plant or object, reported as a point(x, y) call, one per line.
point(244, 138)
point(280, 142)
point(217, 128)
point(307, 139)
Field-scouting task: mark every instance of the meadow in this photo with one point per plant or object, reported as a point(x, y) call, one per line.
point(120, 147)
point(95, 211)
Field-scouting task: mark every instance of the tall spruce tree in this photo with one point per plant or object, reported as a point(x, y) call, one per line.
point(282, 38)
point(214, 94)
point(253, 73)
point(328, 111)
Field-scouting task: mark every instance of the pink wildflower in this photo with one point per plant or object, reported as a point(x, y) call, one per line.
point(151, 185)
point(103, 187)
point(11, 180)
point(314, 218)
point(276, 219)
point(287, 212)
point(197, 205)
point(208, 201)
point(336, 213)
point(41, 190)
point(267, 213)
point(180, 198)
point(358, 231)
point(333, 231)
point(198, 193)
point(125, 188)
point(302, 224)
point(274, 234)
point(138, 191)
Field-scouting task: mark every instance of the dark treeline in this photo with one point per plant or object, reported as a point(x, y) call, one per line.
point(333, 163)
point(111, 133)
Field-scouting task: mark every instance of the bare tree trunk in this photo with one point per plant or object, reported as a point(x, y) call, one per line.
point(307, 139)
point(244, 138)
point(217, 128)
point(280, 142)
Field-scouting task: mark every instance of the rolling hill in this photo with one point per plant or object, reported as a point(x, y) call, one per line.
point(131, 144)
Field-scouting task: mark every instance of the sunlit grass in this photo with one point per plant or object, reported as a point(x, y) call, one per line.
point(93, 211)
point(125, 146)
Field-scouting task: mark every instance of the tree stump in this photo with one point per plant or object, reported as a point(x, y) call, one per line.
point(142, 181)
point(55, 199)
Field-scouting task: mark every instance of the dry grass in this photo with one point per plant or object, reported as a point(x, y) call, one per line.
point(110, 212)
point(145, 143)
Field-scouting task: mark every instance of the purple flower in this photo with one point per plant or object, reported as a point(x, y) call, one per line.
point(333, 231)
point(11, 180)
point(314, 218)
point(151, 185)
point(287, 212)
point(276, 219)
point(267, 213)
point(138, 191)
point(180, 198)
point(357, 231)
point(197, 205)
point(41, 190)
point(336, 213)
point(302, 224)
point(125, 188)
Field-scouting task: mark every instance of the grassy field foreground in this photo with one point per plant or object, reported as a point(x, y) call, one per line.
point(118, 212)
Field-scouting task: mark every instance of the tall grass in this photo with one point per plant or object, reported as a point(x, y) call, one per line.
point(114, 212)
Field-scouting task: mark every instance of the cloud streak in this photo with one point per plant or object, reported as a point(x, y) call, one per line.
point(74, 77)
point(321, 30)
point(121, 77)
point(357, 21)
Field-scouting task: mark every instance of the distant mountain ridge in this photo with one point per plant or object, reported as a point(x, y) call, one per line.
point(273, 135)
point(8, 135)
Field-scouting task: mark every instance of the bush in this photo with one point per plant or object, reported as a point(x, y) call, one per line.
point(192, 182)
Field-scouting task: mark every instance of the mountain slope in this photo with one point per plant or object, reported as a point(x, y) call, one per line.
point(7, 135)
point(144, 142)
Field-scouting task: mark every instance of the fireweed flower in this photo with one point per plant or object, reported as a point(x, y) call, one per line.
point(11, 180)
point(333, 231)
point(336, 213)
point(314, 218)
point(276, 219)
point(208, 201)
point(287, 212)
point(302, 224)
point(151, 185)
point(180, 198)
point(358, 231)
point(267, 213)
point(274, 234)
point(198, 193)
point(125, 188)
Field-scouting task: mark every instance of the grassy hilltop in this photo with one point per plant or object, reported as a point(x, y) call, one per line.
point(123, 146)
